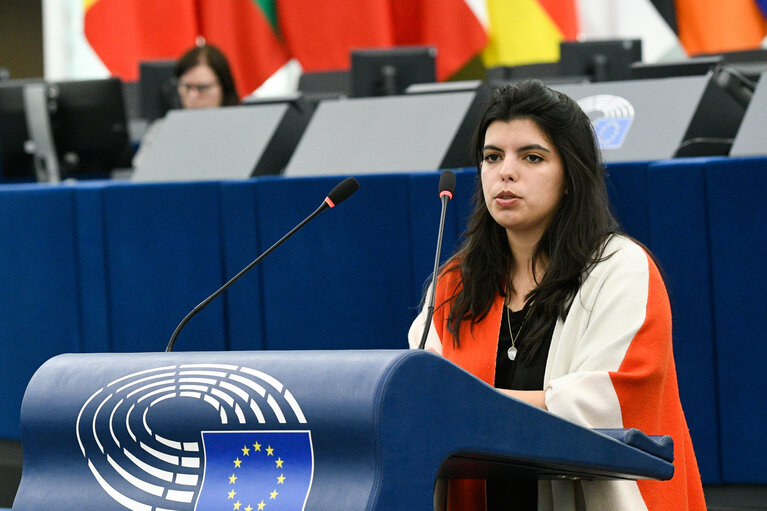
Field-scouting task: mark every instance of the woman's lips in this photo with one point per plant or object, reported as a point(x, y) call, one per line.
point(506, 199)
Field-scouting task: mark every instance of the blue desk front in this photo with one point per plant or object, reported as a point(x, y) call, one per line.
point(314, 430)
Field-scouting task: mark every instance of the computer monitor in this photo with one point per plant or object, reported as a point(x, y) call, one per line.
point(324, 84)
point(387, 72)
point(604, 60)
point(89, 126)
point(157, 88)
point(689, 67)
point(15, 161)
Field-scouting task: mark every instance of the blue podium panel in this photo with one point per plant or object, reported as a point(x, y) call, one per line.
point(163, 257)
point(344, 281)
point(39, 309)
point(241, 245)
point(679, 231)
point(312, 430)
point(627, 188)
point(738, 223)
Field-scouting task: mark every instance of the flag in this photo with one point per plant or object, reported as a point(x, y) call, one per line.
point(528, 31)
point(711, 26)
point(256, 470)
point(321, 35)
point(638, 19)
point(448, 25)
point(245, 30)
point(125, 32)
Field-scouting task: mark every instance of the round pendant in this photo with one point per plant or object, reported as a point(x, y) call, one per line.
point(512, 353)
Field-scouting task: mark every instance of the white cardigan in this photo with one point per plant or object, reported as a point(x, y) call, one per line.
point(592, 376)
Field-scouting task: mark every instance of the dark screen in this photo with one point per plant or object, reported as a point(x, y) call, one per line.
point(600, 60)
point(386, 72)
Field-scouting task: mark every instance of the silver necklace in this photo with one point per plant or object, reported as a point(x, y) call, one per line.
point(512, 351)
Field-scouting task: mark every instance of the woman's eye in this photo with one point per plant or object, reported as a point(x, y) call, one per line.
point(533, 158)
point(492, 157)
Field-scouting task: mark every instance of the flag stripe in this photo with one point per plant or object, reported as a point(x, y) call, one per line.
point(707, 26)
point(607, 19)
point(563, 13)
point(124, 32)
point(269, 10)
point(521, 32)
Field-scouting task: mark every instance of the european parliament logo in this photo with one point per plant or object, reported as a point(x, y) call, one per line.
point(197, 437)
point(612, 117)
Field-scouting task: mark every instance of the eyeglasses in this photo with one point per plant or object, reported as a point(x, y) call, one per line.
point(200, 88)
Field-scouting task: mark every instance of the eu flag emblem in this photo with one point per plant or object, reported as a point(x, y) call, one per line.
point(256, 470)
point(611, 132)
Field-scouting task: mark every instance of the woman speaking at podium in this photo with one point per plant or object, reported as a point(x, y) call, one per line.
point(549, 303)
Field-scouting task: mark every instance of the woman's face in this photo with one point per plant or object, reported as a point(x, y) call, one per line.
point(199, 88)
point(522, 175)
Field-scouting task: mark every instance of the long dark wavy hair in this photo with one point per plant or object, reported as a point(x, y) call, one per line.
point(209, 55)
point(571, 244)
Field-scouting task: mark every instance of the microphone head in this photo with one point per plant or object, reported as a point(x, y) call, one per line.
point(447, 183)
point(342, 191)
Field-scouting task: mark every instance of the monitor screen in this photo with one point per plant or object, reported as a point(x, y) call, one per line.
point(387, 72)
point(89, 126)
point(324, 84)
point(690, 67)
point(157, 88)
point(601, 61)
point(15, 161)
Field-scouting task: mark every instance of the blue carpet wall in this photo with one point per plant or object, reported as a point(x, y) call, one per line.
point(243, 301)
point(424, 212)
point(90, 233)
point(335, 281)
point(39, 307)
point(627, 189)
point(163, 257)
point(107, 266)
point(737, 215)
point(679, 230)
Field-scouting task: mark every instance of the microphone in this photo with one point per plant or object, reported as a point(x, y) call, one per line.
point(446, 189)
point(337, 195)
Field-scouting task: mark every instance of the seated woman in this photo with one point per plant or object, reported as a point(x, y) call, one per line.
point(549, 303)
point(203, 80)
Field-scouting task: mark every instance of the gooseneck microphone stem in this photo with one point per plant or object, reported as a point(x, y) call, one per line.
point(446, 188)
point(425, 334)
point(341, 192)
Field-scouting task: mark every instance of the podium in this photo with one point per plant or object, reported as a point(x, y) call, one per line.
point(314, 430)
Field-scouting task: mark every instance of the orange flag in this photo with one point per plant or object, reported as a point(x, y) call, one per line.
point(709, 26)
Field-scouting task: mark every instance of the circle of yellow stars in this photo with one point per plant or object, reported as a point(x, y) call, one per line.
point(233, 478)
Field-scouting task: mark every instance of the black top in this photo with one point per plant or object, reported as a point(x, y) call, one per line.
point(519, 374)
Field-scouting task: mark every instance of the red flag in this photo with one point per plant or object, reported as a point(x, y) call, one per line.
point(241, 30)
point(448, 25)
point(564, 15)
point(320, 34)
point(125, 32)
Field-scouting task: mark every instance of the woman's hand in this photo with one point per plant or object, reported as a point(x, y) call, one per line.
point(533, 397)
